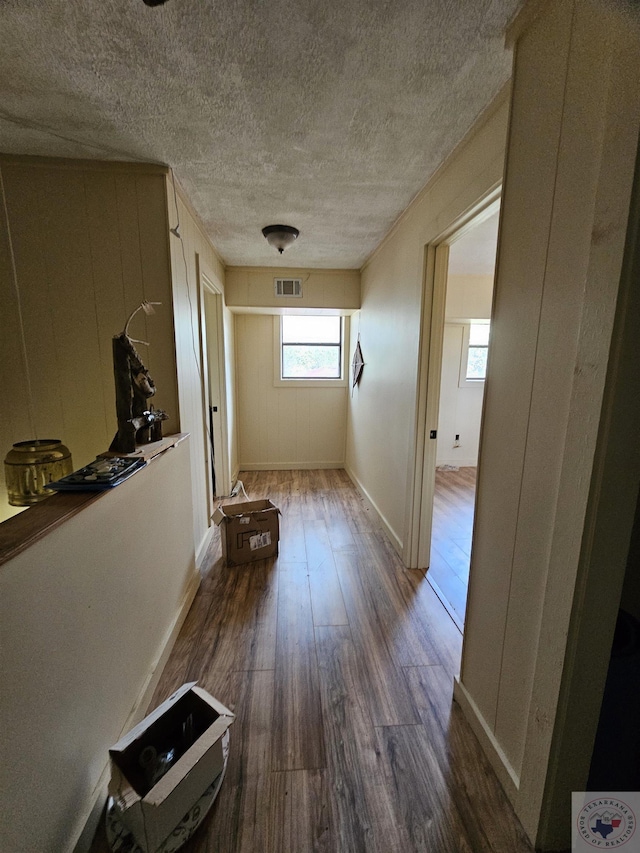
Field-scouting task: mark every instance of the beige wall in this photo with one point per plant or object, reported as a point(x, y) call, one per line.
point(199, 257)
point(231, 383)
point(252, 287)
point(298, 427)
point(381, 430)
point(88, 615)
point(468, 297)
point(564, 215)
point(90, 245)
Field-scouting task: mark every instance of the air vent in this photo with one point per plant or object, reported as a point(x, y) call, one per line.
point(288, 287)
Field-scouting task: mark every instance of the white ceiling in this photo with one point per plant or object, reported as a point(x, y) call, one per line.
point(329, 115)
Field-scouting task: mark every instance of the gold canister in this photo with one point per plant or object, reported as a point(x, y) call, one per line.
point(31, 465)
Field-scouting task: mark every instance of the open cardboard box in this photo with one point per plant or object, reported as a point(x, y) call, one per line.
point(152, 811)
point(249, 531)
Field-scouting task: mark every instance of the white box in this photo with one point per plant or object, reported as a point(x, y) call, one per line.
point(152, 811)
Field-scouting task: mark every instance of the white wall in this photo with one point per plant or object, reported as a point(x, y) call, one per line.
point(381, 430)
point(87, 616)
point(460, 408)
point(468, 298)
point(299, 427)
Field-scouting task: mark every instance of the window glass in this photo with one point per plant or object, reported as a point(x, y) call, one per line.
point(477, 352)
point(479, 334)
point(477, 363)
point(311, 330)
point(311, 347)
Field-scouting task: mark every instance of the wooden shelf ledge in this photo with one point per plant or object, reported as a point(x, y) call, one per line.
point(20, 531)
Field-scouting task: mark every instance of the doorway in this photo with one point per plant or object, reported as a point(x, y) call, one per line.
point(459, 276)
point(465, 343)
point(213, 388)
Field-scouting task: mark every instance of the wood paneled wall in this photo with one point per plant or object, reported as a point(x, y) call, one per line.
point(575, 116)
point(90, 243)
point(283, 427)
point(252, 287)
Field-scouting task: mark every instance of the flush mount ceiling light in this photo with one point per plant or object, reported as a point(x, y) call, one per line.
point(280, 236)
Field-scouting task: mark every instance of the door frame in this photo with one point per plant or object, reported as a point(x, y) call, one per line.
point(422, 474)
point(213, 381)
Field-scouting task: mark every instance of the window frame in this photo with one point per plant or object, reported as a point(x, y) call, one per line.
point(306, 382)
point(463, 382)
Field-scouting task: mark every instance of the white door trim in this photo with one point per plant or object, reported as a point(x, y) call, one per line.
point(213, 380)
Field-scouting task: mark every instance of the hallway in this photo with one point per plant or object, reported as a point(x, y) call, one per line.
point(339, 664)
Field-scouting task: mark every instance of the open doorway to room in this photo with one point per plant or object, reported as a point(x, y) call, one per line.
point(465, 342)
point(456, 317)
point(213, 381)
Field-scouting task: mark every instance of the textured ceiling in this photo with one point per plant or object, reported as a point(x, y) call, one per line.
point(329, 115)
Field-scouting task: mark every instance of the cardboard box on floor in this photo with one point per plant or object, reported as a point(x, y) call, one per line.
point(152, 813)
point(249, 531)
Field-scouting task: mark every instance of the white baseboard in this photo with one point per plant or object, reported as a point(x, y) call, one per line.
point(458, 462)
point(289, 466)
point(204, 546)
point(393, 537)
point(89, 821)
point(508, 777)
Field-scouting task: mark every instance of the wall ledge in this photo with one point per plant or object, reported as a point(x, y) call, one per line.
point(25, 529)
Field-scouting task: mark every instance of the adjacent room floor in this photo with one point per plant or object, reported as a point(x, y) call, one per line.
point(339, 665)
point(453, 510)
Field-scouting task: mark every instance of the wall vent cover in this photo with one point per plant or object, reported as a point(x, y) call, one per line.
point(288, 287)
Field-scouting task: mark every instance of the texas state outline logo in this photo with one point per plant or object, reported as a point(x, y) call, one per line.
point(605, 822)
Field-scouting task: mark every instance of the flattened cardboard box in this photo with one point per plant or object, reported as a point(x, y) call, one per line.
point(151, 815)
point(249, 531)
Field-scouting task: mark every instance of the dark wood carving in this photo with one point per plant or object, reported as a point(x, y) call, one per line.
point(138, 423)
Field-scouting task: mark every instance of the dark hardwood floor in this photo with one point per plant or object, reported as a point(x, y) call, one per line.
point(339, 665)
point(453, 509)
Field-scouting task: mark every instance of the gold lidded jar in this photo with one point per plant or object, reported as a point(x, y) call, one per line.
point(31, 465)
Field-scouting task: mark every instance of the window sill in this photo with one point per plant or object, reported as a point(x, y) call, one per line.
point(309, 383)
point(471, 383)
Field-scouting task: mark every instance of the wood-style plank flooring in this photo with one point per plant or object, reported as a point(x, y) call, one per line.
point(339, 665)
point(453, 509)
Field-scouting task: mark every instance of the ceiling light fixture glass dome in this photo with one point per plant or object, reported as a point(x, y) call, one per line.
point(280, 236)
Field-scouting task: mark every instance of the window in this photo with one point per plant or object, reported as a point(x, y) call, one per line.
point(473, 366)
point(311, 347)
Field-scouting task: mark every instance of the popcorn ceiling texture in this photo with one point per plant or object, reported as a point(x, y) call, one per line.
point(329, 115)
